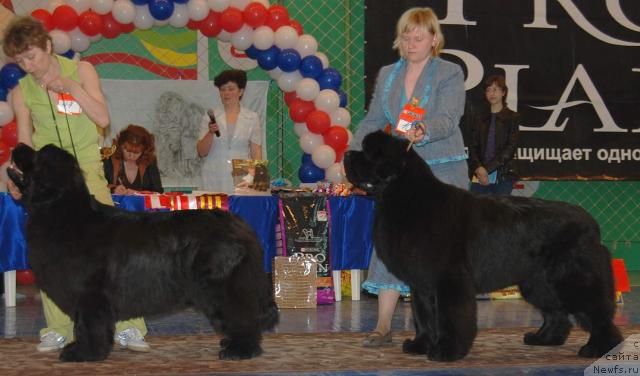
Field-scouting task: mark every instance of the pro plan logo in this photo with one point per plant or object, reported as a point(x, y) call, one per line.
point(623, 359)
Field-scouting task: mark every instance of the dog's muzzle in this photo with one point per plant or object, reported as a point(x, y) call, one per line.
point(16, 176)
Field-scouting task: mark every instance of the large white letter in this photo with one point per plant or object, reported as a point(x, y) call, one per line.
point(540, 16)
point(473, 64)
point(455, 14)
point(580, 75)
point(511, 80)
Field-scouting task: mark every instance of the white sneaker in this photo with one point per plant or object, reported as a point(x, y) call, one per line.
point(51, 341)
point(132, 339)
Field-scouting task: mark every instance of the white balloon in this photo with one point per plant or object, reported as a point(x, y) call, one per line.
point(310, 141)
point(275, 73)
point(124, 11)
point(79, 5)
point(240, 4)
point(288, 81)
point(335, 174)
point(198, 9)
point(53, 4)
point(224, 36)
point(243, 38)
point(327, 101)
point(218, 5)
point(341, 117)
point(350, 137)
point(306, 45)
point(144, 19)
point(263, 2)
point(323, 156)
point(286, 37)
point(95, 38)
point(323, 58)
point(263, 37)
point(300, 129)
point(61, 41)
point(102, 6)
point(6, 113)
point(307, 89)
point(79, 40)
point(180, 16)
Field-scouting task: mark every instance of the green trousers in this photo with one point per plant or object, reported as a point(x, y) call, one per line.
point(57, 321)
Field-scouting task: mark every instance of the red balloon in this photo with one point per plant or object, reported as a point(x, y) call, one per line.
point(65, 18)
point(5, 153)
point(90, 23)
point(318, 122)
point(25, 277)
point(299, 109)
point(231, 19)
point(278, 16)
point(255, 15)
point(193, 25)
point(127, 28)
point(210, 26)
point(289, 96)
point(110, 27)
point(9, 134)
point(45, 17)
point(337, 137)
point(297, 25)
point(340, 155)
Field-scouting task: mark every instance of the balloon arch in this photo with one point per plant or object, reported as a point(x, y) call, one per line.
point(264, 32)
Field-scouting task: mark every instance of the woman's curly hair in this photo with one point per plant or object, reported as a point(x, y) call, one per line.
point(139, 138)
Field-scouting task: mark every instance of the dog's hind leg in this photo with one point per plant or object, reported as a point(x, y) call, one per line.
point(94, 327)
point(592, 301)
point(556, 325)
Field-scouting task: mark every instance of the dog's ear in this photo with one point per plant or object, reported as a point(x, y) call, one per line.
point(23, 157)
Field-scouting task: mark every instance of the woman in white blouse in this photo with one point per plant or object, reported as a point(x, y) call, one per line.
point(235, 133)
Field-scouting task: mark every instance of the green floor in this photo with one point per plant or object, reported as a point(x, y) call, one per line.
point(634, 277)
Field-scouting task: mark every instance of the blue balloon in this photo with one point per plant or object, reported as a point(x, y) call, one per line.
point(252, 52)
point(289, 60)
point(3, 93)
point(69, 54)
point(268, 59)
point(343, 98)
point(161, 9)
point(311, 67)
point(10, 74)
point(310, 173)
point(306, 158)
point(330, 79)
point(140, 2)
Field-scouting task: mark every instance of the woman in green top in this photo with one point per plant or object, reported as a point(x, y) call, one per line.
point(60, 102)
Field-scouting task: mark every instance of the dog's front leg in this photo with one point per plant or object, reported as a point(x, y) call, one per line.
point(94, 327)
point(424, 315)
point(456, 321)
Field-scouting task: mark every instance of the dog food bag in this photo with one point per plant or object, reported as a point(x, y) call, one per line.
point(294, 281)
point(304, 221)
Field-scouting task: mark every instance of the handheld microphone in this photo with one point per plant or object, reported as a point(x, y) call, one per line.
point(212, 118)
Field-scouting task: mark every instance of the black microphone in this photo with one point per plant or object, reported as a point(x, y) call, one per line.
point(212, 117)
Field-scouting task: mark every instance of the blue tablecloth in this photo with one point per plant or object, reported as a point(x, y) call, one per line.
point(350, 230)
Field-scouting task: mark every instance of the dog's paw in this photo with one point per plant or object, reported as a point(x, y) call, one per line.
point(236, 351)
point(446, 352)
point(535, 339)
point(74, 353)
point(410, 346)
point(224, 342)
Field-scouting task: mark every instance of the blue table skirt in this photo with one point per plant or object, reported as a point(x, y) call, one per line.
point(349, 232)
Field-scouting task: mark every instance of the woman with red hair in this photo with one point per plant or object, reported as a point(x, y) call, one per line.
point(133, 165)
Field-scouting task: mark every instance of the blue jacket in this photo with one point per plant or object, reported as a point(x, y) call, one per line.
point(443, 109)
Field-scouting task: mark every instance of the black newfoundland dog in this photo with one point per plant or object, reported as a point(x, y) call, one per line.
point(448, 245)
point(101, 264)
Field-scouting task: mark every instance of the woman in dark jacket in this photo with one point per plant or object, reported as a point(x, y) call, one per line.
point(493, 146)
point(133, 165)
